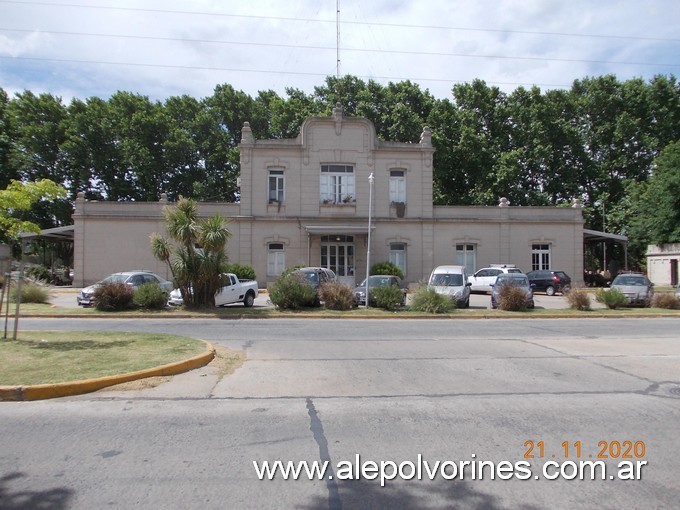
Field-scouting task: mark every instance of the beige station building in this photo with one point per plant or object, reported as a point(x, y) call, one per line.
point(306, 201)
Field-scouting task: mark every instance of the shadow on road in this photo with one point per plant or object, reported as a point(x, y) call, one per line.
point(407, 495)
point(49, 499)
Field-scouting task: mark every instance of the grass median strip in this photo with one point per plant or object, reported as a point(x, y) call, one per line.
point(48, 357)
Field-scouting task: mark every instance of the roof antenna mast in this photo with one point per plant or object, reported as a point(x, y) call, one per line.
point(337, 40)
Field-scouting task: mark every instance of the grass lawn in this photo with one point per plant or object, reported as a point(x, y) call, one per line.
point(40, 357)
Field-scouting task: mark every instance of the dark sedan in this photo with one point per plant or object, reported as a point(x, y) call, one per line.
point(378, 281)
point(549, 281)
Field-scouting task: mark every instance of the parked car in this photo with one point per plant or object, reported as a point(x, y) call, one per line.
point(482, 280)
point(451, 281)
point(516, 279)
point(233, 291)
point(133, 278)
point(375, 281)
point(549, 281)
point(316, 277)
point(636, 287)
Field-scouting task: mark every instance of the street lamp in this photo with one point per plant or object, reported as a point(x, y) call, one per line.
point(368, 251)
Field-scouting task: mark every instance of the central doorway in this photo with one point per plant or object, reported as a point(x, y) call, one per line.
point(337, 254)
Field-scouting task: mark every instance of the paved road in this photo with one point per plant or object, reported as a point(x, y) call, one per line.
point(383, 389)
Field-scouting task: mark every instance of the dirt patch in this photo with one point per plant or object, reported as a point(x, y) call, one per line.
point(139, 384)
point(225, 362)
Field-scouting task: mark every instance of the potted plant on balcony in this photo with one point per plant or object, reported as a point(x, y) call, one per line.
point(400, 207)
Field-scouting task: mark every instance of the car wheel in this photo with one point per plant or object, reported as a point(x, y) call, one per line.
point(249, 300)
point(550, 290)
point(565, 289)
point(467, 303)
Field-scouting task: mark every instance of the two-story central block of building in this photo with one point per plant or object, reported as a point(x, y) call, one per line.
point(306, 201)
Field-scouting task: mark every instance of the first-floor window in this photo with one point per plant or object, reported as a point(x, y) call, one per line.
point(276, 259)
point(398, 255)
point(540, 257)
point(465, 256)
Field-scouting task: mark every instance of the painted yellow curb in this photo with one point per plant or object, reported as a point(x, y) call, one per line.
point(44, 391)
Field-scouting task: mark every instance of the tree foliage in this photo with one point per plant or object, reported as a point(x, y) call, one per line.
point(596, 141)
point(18, 199)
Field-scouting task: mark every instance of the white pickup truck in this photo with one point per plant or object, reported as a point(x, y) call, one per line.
point(234, 291)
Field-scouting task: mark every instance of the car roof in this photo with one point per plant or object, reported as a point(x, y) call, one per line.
point(449, 269)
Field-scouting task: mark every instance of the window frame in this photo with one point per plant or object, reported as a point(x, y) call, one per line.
point(278, 177)
point(541, 256)
point(396, 253)
point(397, 185)
point(276, 258)
point(337, 184)
point(463, 251)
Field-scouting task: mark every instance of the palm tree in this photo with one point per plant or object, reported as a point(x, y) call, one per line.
point(199, 257)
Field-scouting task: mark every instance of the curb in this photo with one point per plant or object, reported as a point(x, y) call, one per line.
point(66, 389)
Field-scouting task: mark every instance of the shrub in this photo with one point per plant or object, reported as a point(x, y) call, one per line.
point(578, 299)
point(31, 293)
point(512, 298)
point(242, 271)
point(388, 297)
point(612, 298)
point(38, 273)
point(290, 292)
point(667, 301)
point(387, 268)
point(427, 300)
point(337, 296)
point(150, 296)
point(113, 296)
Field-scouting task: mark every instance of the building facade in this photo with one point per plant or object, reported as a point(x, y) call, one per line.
point(306, 201)
point(662, 263)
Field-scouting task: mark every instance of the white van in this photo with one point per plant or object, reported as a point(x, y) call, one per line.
point(451, 281)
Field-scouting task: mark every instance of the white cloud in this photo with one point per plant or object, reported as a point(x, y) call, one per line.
point(189, 47)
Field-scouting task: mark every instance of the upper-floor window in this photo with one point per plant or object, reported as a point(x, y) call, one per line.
point(276, 186)
point(397, 186)
point(337, 184)
point(540, 257)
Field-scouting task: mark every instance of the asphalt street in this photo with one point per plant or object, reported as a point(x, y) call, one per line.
point(401, 391)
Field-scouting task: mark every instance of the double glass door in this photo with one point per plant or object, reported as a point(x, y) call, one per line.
point(337, 254)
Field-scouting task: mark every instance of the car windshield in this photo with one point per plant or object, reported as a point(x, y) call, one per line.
point(629, 280)
point(521, 281)
point(115, 278)
point(312, 277)
point(376, 281)
point(446, 280)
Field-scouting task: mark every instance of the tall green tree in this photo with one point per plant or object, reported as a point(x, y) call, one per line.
point(7, 171)
point(657, 202)
point(198, 259)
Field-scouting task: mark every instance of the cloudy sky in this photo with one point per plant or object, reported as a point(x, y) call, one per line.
point(162, 48)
